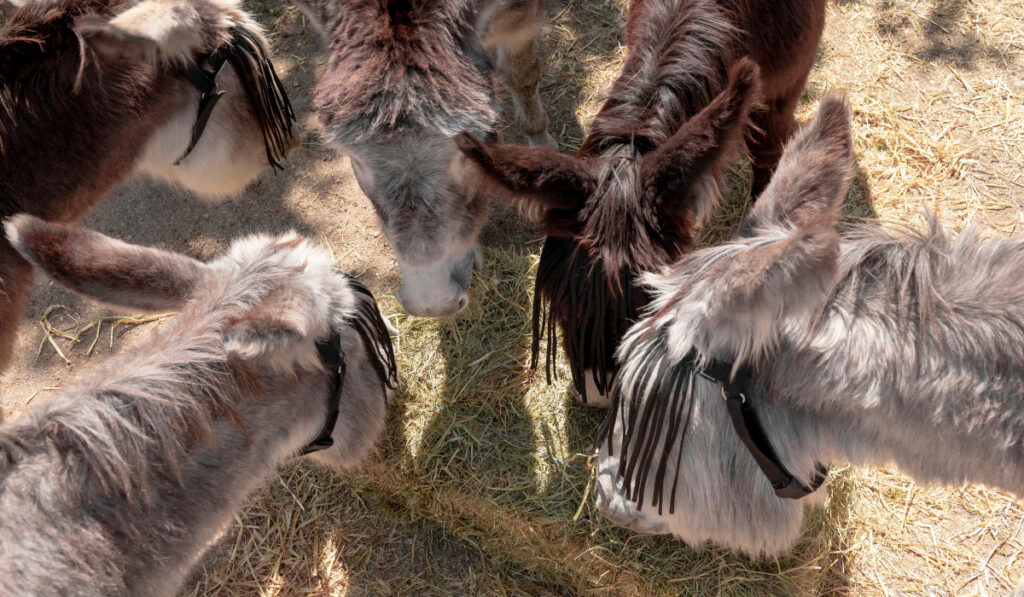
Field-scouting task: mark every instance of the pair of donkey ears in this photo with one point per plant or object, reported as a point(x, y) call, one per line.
point(703, 143)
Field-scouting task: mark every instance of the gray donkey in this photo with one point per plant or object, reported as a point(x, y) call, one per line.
point(117, 485)
point(890, 345)
point(403, 78)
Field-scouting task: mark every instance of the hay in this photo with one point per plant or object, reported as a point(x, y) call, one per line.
point(74, 332)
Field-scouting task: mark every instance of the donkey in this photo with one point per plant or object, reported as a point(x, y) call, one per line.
point(117, 485)
point(632, 196)
point(403, 77)
point(864, 349)
point(94, 90)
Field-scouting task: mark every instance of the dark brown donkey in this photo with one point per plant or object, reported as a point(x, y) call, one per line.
point(404, 77)
point(632, 196)
point(92, 91)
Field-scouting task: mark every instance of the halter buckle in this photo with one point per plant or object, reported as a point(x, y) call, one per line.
point(726, 396)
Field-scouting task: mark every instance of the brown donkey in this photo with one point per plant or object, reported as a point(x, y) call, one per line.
point(118, 484)
point(404, 77)
point(92, 91)
point(632, 196)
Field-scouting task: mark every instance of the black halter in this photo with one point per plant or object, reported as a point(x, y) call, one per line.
point(203, 75)
point(751, 433)
point(259, 81)
point(330, 355)
point(369, 325)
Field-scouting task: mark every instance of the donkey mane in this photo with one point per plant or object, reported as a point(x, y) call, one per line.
point(917, 267)
point(678, 61)
point(680, 56)
point(940, 286)
point(135, 428)
point(405, 64)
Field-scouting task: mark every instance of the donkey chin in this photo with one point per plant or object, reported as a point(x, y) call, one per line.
point(439, 289)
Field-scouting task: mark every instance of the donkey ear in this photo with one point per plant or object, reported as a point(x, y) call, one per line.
point(270, 328)
point(746, 290)
point(105, 269)
point(168, 31)
point(787, 255)
point(676, 174)
point(556, 180)
point(814, 173)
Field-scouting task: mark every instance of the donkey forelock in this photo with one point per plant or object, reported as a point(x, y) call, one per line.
point(401, 66)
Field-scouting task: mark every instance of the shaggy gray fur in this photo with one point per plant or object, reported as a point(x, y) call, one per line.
point(895, 345)
point(117, 485)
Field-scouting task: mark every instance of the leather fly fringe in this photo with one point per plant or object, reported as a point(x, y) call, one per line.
point(249, 57)
point(370, 326)
point(653, 420)
point(572, 290)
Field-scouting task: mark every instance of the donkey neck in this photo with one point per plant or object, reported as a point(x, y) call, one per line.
point(917, 356)
point(679, 56)
point(98, 130)
point(405, 66)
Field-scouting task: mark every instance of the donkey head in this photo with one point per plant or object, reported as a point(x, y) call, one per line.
point(274, 299)
point(226, 116)
point(728, 302)
point(613, 210)
point(402, 79)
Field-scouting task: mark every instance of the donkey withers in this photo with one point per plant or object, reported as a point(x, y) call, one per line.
point(632, 196)
point(403, 77)
point(92, 91)
point(117, 485)
point(890, 345)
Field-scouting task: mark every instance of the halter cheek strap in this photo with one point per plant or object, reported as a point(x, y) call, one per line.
point(203, 75)
point(748, 428)
point(330, 355)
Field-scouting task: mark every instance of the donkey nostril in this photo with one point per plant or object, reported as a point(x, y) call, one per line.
point(463, 301)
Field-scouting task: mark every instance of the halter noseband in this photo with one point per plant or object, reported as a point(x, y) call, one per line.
point(748, 427)
point(203, 75)
point(331, 357)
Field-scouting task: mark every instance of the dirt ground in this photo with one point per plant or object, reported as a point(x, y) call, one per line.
point(936, 87)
